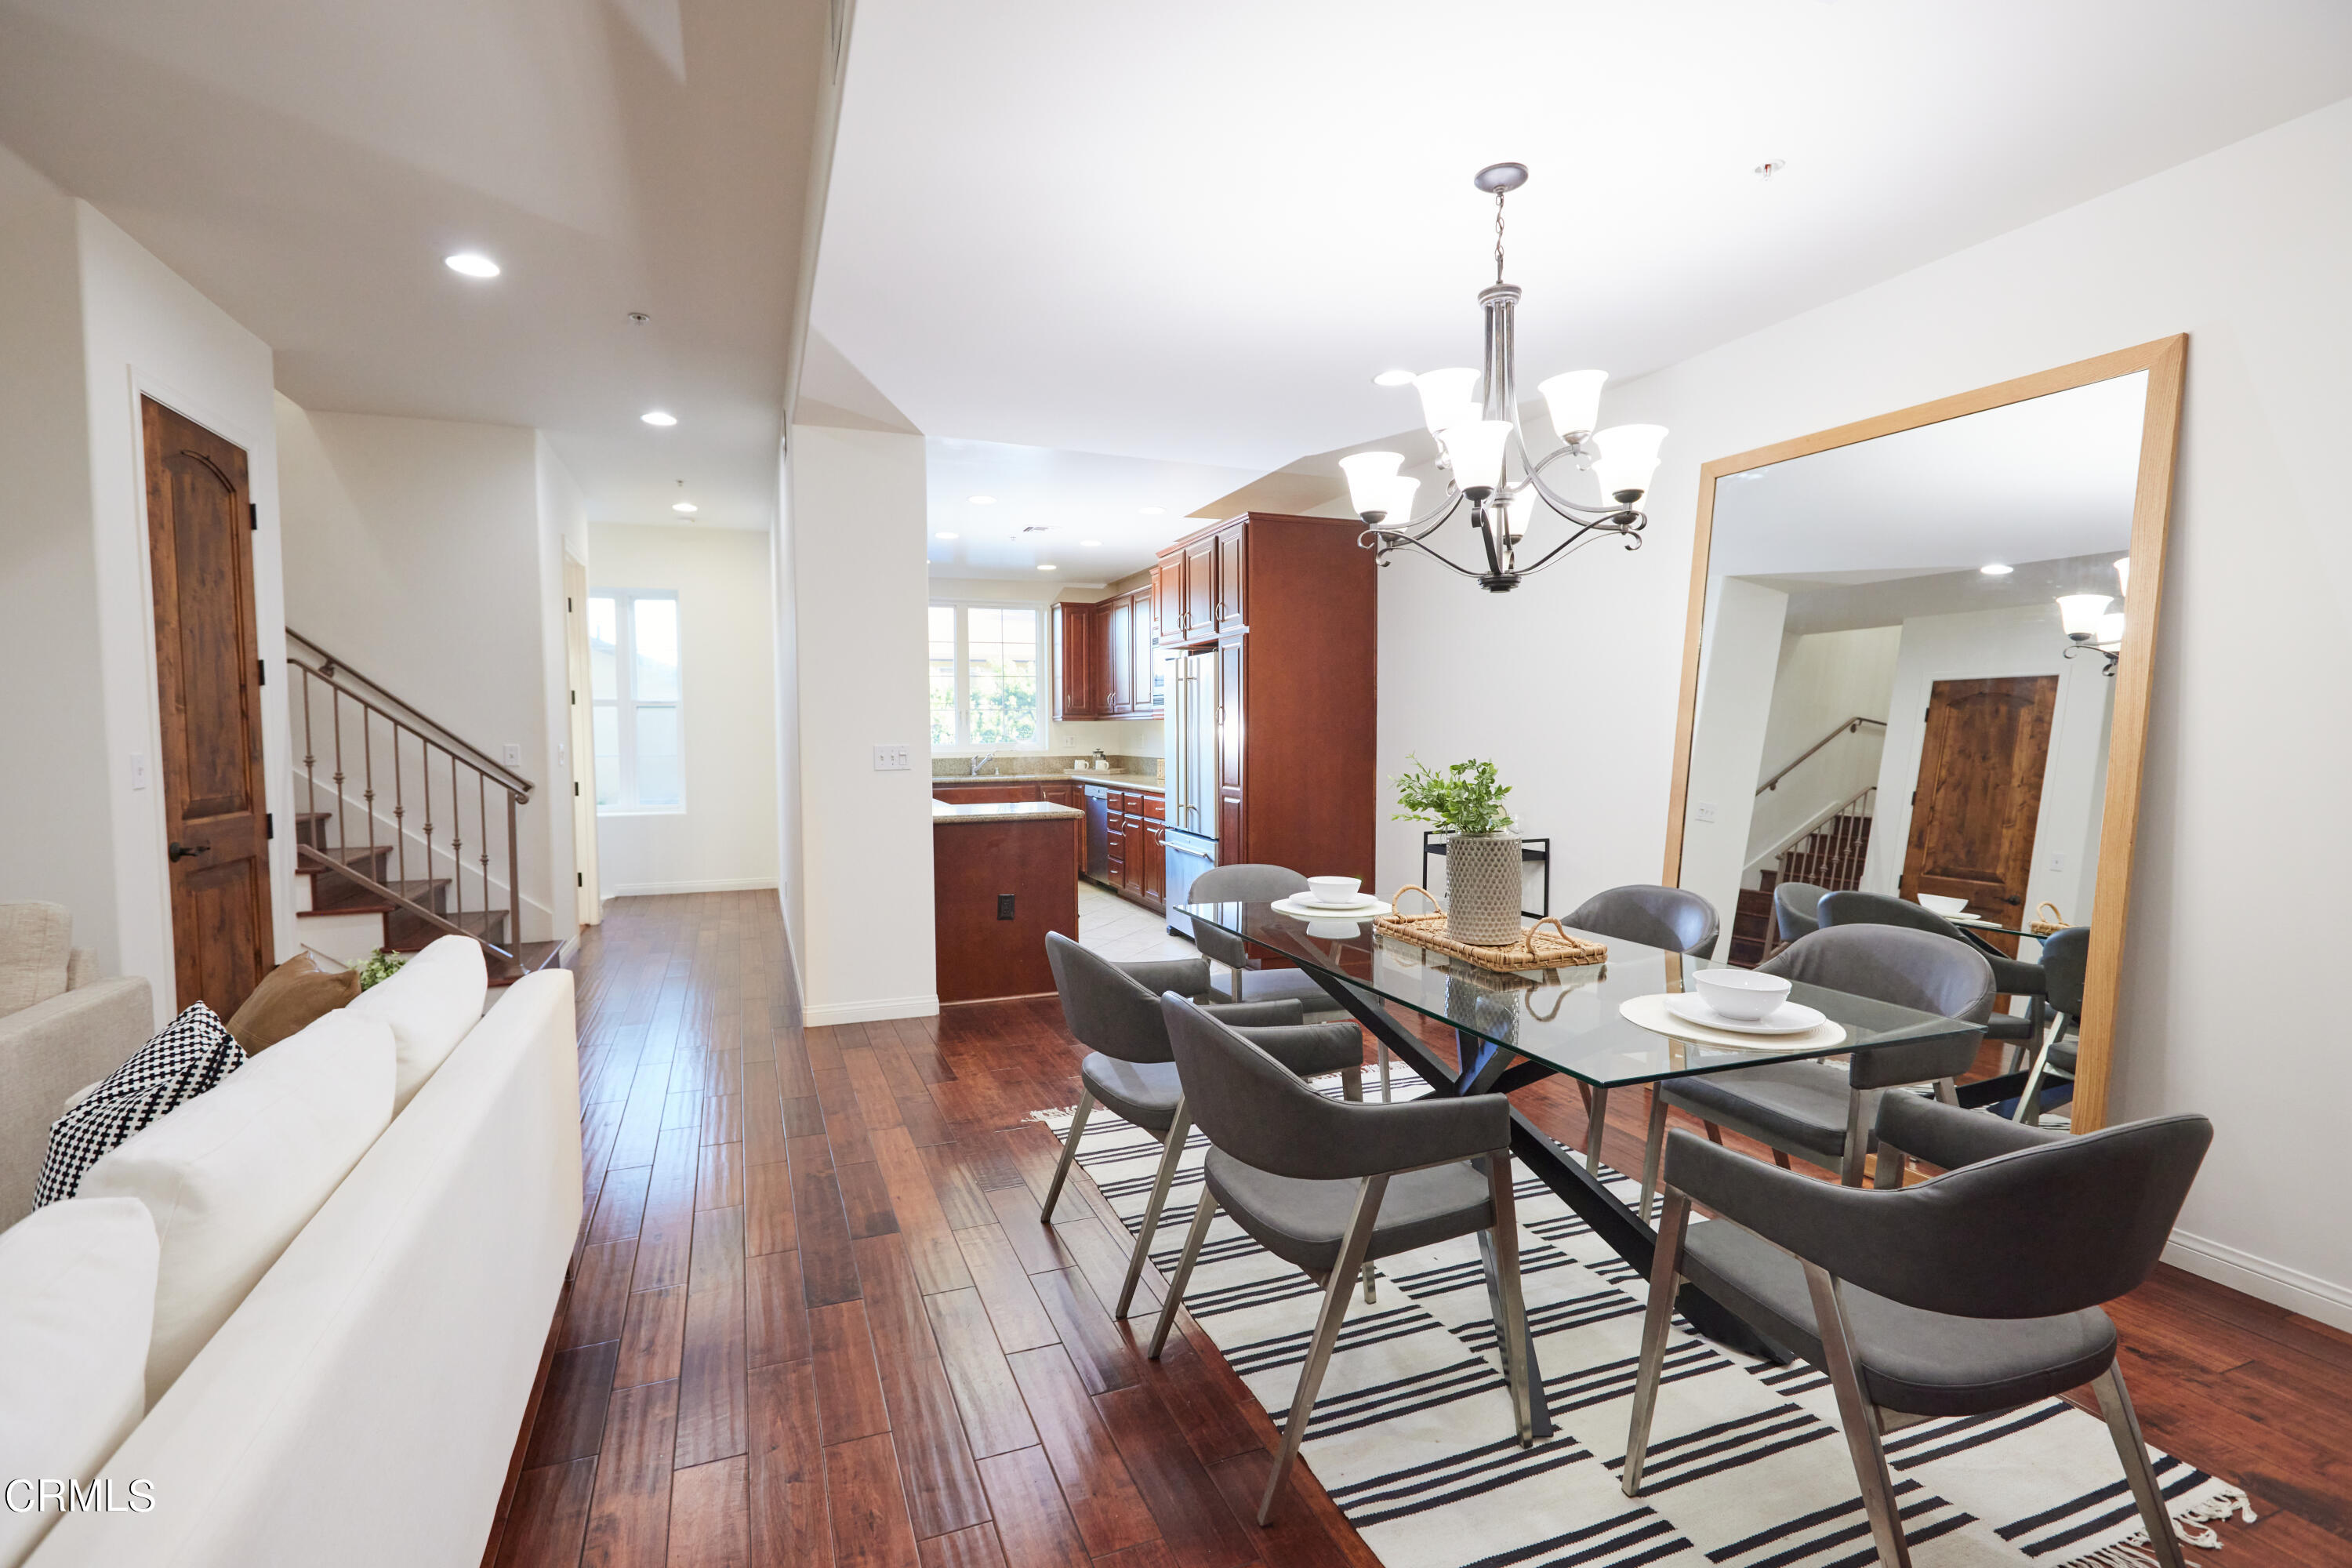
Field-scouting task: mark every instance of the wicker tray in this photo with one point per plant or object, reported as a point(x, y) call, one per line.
point(2051, 927)
point(1536, 948)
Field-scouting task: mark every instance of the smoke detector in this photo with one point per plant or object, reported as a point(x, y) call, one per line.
point(1770, 166)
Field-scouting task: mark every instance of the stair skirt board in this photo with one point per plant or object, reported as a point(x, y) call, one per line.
point(347, 939)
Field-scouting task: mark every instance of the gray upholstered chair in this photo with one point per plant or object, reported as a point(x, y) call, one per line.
point(1797, 908)
point(1819, 1112)
point(1114, 1011)
point(1670, 918)
point(2013, 976)
point(1330, 1187)
point(2065, 959)
point(1262, 884)
point(1967, 1295)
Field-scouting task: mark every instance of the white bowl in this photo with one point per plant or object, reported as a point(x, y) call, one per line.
point(1742, 993)
point(1943, 904)
point(1333, 891)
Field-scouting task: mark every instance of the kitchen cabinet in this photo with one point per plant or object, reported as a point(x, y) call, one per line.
point(1133, 860)
point(1291, 605)
point(1154, 876)
point(1167, 593)
point(1079, 650)
point(1097, 808)
point(1149, 691)
point(1232, 580)
point(1118, 649)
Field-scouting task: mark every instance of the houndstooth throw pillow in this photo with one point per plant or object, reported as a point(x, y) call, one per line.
point(194, 1052)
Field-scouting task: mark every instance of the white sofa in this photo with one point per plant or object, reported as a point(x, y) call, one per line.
point(360, 1405)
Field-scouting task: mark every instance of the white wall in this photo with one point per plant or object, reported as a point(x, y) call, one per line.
point(2243, 249)
point(1115, 737)
point(1825, 679)
point(1735, 696)
point(857, 528)
point(563, 531)
point(791, 850)
point(725, 837)
point(1979, 645)
point(415, 550)
point(48, 574)
point(93, 323)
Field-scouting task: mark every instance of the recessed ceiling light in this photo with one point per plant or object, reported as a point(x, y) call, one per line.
point(685, 506)
point(981, 501)
point(472, 263)
point(1393, 378)
point(946, 536)
point(1771, 166)
point(1154, 510)
point(1048, 568)
point(1996, 569)
point(659, 419)
point(1091, 543)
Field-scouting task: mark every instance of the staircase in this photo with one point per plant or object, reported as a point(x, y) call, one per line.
point(374, 869)
point(1831, 856)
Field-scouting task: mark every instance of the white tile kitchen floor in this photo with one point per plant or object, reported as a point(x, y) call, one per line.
point(1117, 929)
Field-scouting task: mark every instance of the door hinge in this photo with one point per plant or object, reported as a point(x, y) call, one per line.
point(567, 603)
point(268, 824)
point(576, 699)
point(1914, 797)
point(1927, 712)
point(253, 516)
point(575, 789)
point(578, 879)
point(261, 672)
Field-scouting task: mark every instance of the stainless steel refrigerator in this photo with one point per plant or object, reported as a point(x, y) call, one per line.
point(1191, 747)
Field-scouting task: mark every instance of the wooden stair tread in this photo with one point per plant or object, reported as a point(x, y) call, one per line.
point(530, 958)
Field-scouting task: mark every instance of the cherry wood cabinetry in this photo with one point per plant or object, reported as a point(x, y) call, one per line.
point(1135, 837)
point(1104, 666)
point(1291, 605)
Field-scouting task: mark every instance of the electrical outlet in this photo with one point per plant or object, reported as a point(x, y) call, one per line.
point(2057, 862)
point(1005, 906)
point(1704, 810)
point(512, 752)
point(890, 759)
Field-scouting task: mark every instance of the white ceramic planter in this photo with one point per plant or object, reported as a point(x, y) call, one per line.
point(1481, 888)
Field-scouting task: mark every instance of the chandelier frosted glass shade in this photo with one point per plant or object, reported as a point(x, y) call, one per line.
point(1447, 397)
point(1475, 448)
point(2123, 576)
point(1574, 399)
point(1629, 456)
point(1372, 478)
point(2080, 614)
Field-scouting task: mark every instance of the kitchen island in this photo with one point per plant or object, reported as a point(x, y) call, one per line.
point(1003, 874)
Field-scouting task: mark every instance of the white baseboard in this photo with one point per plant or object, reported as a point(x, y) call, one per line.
point(871, 1012)
point(721, 885)
point(2260, 1277)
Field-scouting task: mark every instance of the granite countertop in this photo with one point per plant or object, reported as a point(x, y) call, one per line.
point(1000, 811)
point(1115, 780)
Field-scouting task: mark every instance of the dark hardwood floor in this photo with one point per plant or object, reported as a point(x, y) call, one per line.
point(814, 1319)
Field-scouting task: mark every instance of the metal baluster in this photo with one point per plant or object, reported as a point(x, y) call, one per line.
point(342, 826)
point(399, 805)
point(424, 775)
point(514, 881)
point(310, 756)
point(367, 793)
point(456, 840)
point(482, 820)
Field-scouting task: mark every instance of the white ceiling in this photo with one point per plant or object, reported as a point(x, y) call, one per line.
point(307, 167)
point(1195, 234)
point(1046, 504)
point(2050, 478)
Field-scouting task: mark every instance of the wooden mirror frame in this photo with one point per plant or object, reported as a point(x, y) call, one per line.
point(2164, 360)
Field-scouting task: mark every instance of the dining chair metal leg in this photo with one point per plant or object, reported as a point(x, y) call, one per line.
point(1069, 1153)
point(2123, 1424)
point(1598, 1124)
point(1202, 1213)
point(1351, 1087)
point(1382, 1047)
point(1666, 1267)
point(1653, 1145)
point(2029, 1099)
point(1511, 1328)
point(1858, 1416)
point(1171, 1153)
point(1353, 1244)
point(1857, 1141)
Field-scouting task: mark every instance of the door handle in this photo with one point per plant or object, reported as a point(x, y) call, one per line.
point(184, 851)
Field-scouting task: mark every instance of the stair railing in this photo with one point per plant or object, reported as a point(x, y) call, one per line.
point(1834, 848)
point(423, 763)
point(1849, 727)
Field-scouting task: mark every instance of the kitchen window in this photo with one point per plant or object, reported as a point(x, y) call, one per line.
point(634, 678)
point(987, 673)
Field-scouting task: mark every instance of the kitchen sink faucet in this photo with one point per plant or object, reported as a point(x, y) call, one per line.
point(981, 760)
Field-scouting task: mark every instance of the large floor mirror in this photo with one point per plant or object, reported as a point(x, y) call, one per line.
point(1918, 668)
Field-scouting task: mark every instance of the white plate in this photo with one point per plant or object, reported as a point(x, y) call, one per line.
point(1788, 1018)
point(1305, 909)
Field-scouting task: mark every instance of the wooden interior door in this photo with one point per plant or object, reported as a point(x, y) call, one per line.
point(1979, 792)
point(583, 742)
point(208, 687)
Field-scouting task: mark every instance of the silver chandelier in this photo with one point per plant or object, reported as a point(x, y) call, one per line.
point(1475, 415)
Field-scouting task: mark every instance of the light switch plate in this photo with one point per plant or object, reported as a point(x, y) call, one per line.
point(890, 759)
point(138, 770)
point(1704, 810)
point(512, 752)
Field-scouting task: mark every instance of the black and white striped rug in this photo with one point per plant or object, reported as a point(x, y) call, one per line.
point(1412, 1433)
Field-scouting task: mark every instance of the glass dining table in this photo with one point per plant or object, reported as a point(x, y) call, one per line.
point(1511, 1030)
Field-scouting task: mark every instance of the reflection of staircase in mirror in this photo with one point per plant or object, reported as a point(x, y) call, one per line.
point(1830, 855)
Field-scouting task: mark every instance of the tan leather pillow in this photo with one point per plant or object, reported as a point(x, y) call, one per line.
point(288, 999)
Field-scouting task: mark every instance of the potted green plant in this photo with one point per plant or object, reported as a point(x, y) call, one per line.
point(1481, 857)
